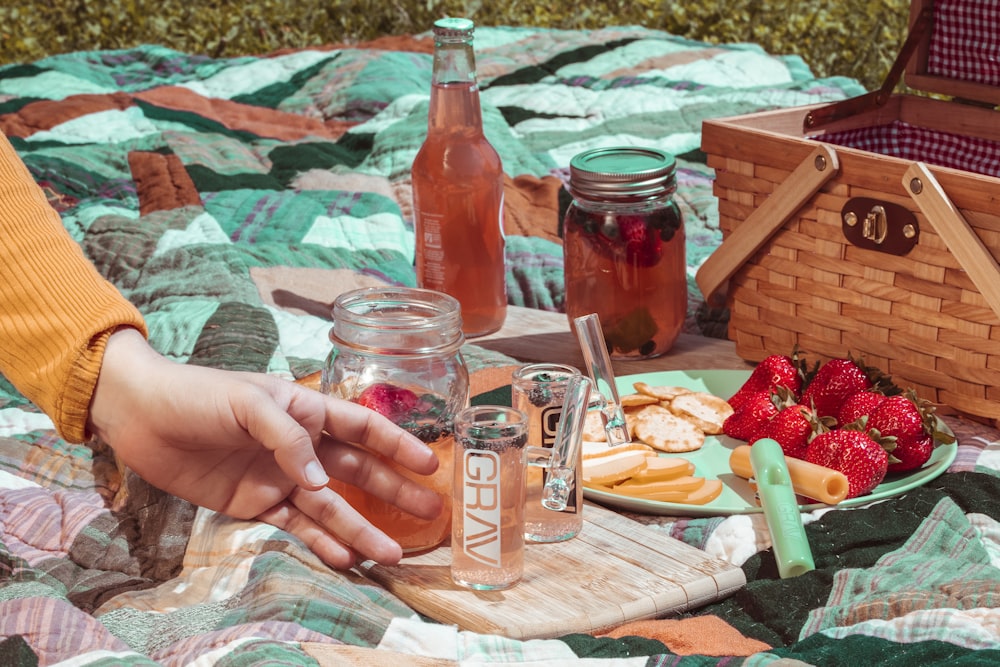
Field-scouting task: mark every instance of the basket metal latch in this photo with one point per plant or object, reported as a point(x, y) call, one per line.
point(879, 225)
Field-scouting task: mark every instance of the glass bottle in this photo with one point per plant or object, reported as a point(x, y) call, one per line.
point(458, 189)
point(397, 351)
point(624, 249)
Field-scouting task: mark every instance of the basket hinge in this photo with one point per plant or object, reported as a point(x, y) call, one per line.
point(963, 242)
point(817, 118)
point(805, 180)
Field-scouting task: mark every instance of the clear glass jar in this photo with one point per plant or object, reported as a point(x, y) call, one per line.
point(397, 351)
point(624, 249)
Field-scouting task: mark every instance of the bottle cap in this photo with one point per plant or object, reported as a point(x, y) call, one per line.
point(622, 171)
point(454, 28)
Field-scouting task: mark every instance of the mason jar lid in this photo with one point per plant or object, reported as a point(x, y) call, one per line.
point(622, 171)
point(453, 28)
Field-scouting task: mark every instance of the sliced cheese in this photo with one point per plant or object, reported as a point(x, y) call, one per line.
point(708, 491)
point(664, 467)
point(613, 467)
point(635, 487)
point(591, 450)
point(808, 479)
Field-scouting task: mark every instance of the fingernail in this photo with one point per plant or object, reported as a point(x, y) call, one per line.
point(315, 474)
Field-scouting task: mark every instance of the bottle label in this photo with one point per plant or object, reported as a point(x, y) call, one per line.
point(432, 275)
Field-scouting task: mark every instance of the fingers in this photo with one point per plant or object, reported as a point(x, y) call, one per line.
point(332, 529)
point(368, 472)
point(290, 424)
point(349, 422)
point(311, 434)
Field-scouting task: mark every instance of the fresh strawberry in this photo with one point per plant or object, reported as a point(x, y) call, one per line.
point(899, 417)
point(909, 426)
point(388, 399)
point(639, 238)
point(642, 242)
point(834, 382)
point(792, 428)
point(777, 370)
point(859, 405)
point(910, 454)
point(748, 420)
point(855, 453)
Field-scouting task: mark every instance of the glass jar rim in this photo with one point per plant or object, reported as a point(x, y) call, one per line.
point(392, 310)
point(529, 372)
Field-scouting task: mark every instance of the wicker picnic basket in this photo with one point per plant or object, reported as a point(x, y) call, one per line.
point(871, 226)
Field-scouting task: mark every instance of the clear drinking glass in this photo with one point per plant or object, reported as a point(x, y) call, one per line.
point(538, 390)
point(487, 538)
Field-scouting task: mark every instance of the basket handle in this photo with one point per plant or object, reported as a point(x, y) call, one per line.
point(805, 180)
point(963, 242)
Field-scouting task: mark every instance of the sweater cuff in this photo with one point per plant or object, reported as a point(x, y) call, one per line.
point(72, 412)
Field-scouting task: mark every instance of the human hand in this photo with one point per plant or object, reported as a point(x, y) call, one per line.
point(251, 445)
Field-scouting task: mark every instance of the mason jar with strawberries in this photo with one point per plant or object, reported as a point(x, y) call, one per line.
point(624, 249)
point(396, 350)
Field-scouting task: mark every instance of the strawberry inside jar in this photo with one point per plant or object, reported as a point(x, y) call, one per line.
point(624, 249)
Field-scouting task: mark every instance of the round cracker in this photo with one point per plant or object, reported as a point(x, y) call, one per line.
point(631, 419)
point(651, 409)
point(667, 432)
point(593, 427)
point(660, 392)
point(637, 400)
point(706, 411)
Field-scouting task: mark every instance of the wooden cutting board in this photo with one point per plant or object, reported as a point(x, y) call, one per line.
point(616, 570)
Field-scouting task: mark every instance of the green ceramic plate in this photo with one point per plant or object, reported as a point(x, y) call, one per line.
point(712, 460)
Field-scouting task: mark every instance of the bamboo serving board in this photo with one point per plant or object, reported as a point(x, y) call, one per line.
point(616, 570)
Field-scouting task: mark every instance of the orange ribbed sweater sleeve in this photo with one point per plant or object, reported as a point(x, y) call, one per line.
point(56, 310)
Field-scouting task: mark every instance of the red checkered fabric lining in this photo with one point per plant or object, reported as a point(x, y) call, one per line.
point(965, 41)
point(909, 142)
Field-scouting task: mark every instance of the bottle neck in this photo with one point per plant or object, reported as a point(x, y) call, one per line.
point(454, 101)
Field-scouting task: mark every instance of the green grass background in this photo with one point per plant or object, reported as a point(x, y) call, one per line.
point(855, 38)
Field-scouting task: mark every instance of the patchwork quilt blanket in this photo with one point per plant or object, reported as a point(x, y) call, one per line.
point(232, 199)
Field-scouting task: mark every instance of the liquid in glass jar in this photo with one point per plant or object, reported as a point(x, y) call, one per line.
point(421, 418)
point(624, 249)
